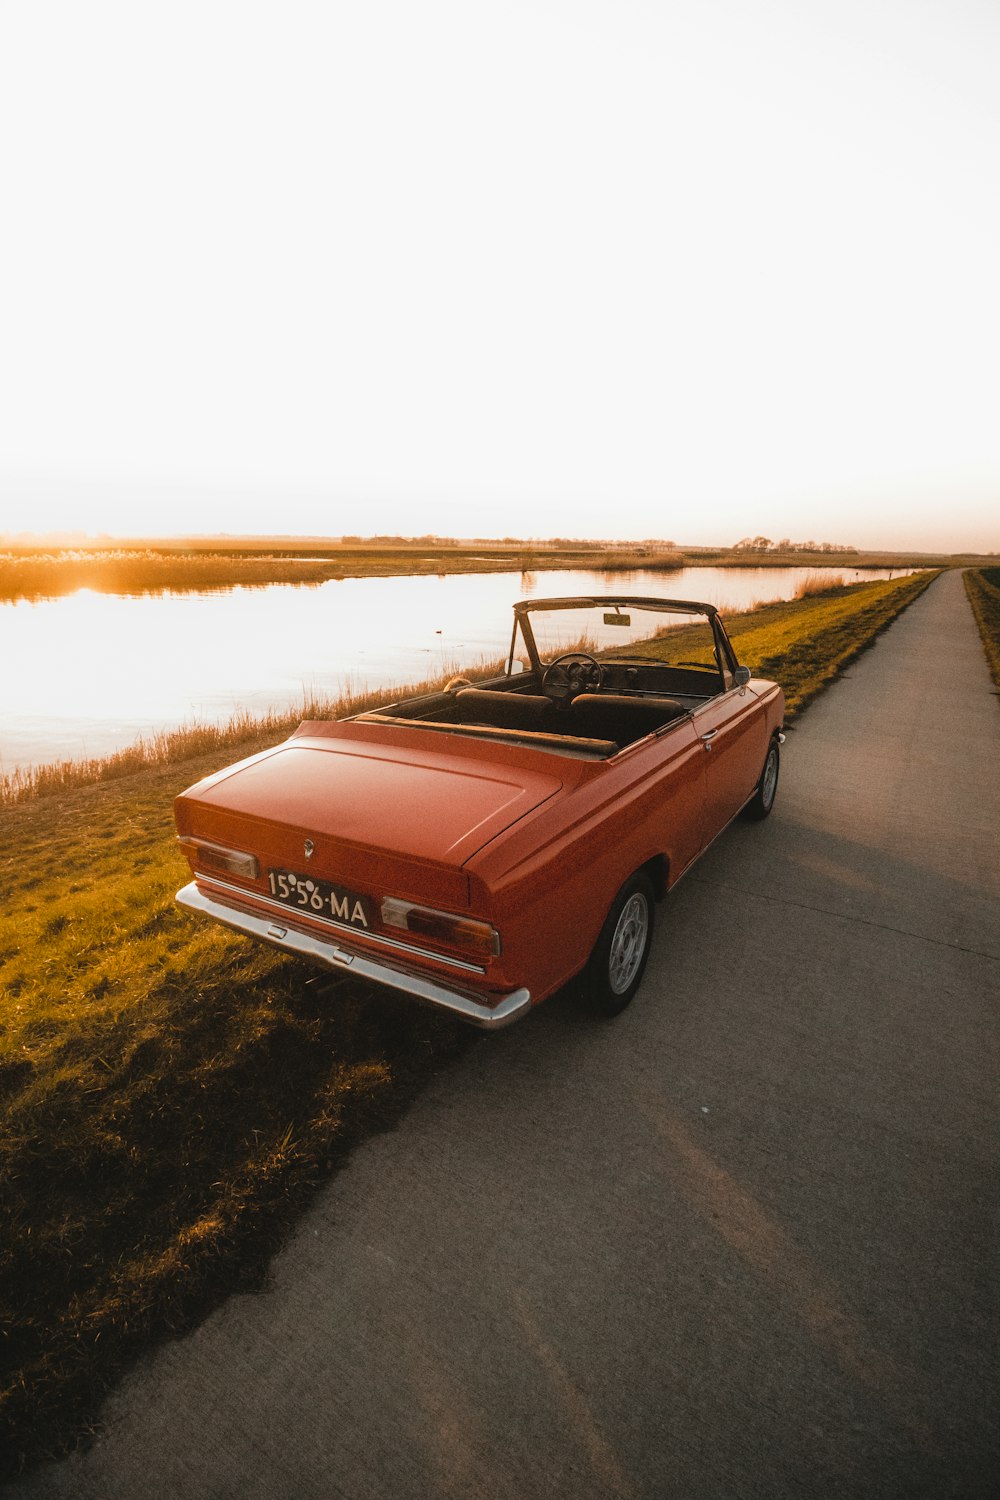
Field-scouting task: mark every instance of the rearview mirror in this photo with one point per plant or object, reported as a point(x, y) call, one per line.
point(741, 676)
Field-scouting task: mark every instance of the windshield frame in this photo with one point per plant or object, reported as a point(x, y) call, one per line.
point(525, 607)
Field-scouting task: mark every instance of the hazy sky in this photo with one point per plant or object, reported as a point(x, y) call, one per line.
point(598, 267)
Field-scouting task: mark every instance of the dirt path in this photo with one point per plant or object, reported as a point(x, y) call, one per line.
point(740, 1242)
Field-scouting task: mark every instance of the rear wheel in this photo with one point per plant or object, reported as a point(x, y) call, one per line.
point(618, 961)
point(762, 801)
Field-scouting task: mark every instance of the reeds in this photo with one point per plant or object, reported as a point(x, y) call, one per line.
point(618, 560)
point(815, 584)
point(41, 575)
point(51, 575)
point(147, 751)
point(190, 740)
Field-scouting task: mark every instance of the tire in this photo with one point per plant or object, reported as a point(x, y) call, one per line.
point(618, 962)
point(762, 801)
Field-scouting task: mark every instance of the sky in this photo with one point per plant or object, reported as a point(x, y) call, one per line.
point(568, 267)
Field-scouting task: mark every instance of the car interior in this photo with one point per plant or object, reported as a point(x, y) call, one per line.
point(592, 702)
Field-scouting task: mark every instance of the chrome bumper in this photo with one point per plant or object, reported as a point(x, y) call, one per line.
point(345, 960)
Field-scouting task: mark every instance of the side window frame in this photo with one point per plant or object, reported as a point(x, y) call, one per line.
point(725, 655)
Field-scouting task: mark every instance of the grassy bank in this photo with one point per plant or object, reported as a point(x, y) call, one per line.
point(983, 588)
point(805, 644)
point(170, 1093)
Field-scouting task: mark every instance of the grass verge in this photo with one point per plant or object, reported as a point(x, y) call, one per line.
point(171, 1094)
point(983, 588)
point(806, 643)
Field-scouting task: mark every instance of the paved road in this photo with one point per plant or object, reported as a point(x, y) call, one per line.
point(735, 1244)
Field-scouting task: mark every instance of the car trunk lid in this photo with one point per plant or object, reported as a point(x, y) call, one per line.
point(379, 815)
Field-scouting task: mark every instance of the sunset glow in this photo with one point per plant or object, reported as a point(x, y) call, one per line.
point(560, 268)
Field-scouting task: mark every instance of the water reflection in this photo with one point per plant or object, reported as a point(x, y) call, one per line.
point(86, 673)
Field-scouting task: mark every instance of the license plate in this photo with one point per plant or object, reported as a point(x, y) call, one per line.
point(320, 898)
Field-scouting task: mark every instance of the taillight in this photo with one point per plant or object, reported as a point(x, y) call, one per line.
point(216, 857)
point(466, 933)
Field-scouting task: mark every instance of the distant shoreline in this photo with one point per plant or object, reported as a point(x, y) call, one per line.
point(200, 565)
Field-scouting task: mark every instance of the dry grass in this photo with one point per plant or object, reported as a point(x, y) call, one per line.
point(983, 588)
point(49, 575)
point(616, 559)
point(814, 585)
point(147, 751)
point(135, 569)
point(175, 745)
point(145, 570)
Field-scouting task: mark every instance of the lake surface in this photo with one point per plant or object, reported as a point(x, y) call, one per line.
point(86, 674)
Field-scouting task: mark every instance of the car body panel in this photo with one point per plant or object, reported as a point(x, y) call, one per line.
point(555, 877)
point(734, 734)
point(422, 801)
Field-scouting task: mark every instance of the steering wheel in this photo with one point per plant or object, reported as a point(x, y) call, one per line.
point(574, 672)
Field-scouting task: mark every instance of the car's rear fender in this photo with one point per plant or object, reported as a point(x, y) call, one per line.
point(550, 911)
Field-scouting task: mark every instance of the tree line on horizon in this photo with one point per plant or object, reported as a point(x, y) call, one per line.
point(765, 544)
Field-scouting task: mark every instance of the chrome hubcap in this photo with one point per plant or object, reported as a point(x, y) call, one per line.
point(628, 944)
point(770, 780)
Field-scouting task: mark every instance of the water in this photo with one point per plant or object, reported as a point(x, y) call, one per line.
point(86, 674)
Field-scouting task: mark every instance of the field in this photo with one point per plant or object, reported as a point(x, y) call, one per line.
point(983, 589)
point(172, 1094)
point(28, 575)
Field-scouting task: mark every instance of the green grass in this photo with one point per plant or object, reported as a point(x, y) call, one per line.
point(171, 1094)
point(806, 643)
point(983, 588)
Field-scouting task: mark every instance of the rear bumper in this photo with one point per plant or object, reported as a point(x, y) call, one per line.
point(343, 959)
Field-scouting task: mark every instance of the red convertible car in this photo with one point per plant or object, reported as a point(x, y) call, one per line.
point(480, 846)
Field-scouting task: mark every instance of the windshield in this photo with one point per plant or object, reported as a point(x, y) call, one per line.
point(621, 631)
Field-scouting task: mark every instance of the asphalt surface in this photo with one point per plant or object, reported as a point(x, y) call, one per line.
point(739, 1242)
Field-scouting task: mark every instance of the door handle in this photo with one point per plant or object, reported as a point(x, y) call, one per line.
point(708, 737)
